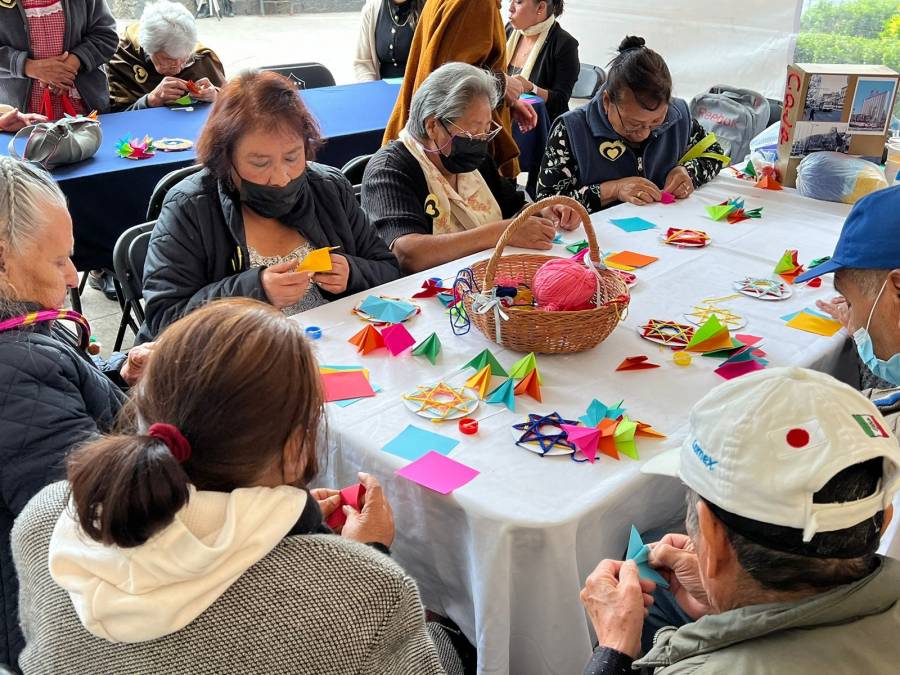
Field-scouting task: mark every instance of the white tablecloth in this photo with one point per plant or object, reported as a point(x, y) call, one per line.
point(506, 555)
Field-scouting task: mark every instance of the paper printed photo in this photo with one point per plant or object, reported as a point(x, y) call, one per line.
point(825, 98)
point(812, 137)
point(872, 105)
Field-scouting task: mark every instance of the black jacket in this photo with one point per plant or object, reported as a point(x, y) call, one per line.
point(198, 250)
point(394, 191)
point(556, 69)
point(52, 398)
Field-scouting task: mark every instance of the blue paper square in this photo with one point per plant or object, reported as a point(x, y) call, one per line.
point(632, 224)
point(788, 317)
point(414, 442)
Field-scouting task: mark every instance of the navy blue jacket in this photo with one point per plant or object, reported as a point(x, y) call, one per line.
point(52, 397)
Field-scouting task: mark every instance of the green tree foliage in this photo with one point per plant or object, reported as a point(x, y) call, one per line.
point(858, 18)
point(829, 48)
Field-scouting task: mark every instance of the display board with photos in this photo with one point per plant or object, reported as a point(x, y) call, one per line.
point(837, 108)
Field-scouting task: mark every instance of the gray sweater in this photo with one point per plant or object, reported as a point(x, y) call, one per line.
point(316, 604)
point(90, 35)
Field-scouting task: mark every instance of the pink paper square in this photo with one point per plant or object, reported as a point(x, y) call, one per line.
point(667, 198)
point(732, 370)
point(345, 385)
point(438, 473)
point(397, 339)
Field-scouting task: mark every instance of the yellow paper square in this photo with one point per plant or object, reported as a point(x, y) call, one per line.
point(317, 261)
point(815, 324)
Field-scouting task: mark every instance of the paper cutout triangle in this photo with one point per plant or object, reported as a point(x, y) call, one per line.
point(397, 339)
point(637, 363)
point(709, 337)
point(486, 358)
point(749, 169)
point(719, 211)
point(531, 385)
point(640, 553)
point(430, 347)
point(367, 340)
point(317, 261)
point(648, 431)
point(767, 182)
point(586, 439)
point(524, 366)
point(480, 381)
point(504, 394)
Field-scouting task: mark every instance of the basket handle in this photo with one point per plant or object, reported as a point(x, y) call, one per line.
point(530, 210)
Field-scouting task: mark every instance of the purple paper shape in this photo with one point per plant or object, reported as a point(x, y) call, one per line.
point(438, 473)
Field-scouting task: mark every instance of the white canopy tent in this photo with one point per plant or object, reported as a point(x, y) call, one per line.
point(746, 43)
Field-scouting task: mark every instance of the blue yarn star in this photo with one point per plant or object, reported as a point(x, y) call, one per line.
point(532, 429)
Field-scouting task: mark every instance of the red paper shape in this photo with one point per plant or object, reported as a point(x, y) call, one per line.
point(667, 198)
point(430, 289)
point(529, 385)
point(637, 363)
point(768, 181)
point(343, 385)
point(350, 496)
point(814, 283)
point(367, 340)
point(397, 339)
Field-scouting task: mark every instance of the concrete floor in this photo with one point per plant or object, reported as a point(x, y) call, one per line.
point(251, 42)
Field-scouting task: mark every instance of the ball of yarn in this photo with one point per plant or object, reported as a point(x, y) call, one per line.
point(562, 285)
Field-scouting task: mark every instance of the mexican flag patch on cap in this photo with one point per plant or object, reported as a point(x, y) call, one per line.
point(871, 426)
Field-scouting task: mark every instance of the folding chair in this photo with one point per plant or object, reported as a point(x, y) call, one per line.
point(165, 184)
point(353, 171)
point(306, 75)
point(128, 259)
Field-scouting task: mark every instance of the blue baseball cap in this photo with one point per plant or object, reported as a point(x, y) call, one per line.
point(870, 239)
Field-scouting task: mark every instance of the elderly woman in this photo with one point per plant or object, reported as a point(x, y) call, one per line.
point(53, 396)
point(435, 194)
point(467, 31)
point(632, 142)
point(159, 60)
point(51, 53)
point(542, 56)
point(190, 534)
point(242, 225)
point(385, 35)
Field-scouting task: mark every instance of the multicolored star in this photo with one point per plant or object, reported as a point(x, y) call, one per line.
point(669, 333)
point(533, 434)
point(762, 288)
point(441, 400)
point(726, 317)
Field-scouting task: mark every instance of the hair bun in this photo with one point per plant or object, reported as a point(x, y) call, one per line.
point(631, 42)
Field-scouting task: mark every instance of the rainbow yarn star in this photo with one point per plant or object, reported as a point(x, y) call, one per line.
point(440, 400)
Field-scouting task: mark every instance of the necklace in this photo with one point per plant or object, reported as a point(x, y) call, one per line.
point(395, 18)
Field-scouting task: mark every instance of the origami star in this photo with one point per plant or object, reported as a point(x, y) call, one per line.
point(688, 238)
point(668, 333)
point(440, 400)
point(533, 434)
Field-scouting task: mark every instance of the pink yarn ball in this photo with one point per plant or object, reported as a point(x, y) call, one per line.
point(562, 284)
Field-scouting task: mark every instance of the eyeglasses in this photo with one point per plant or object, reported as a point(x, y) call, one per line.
point(487, 136)
point(180, 64)
point(634, 129)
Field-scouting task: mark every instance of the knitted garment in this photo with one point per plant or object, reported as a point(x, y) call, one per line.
point(316, 604)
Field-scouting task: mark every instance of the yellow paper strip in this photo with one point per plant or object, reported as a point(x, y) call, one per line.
point(815, 324)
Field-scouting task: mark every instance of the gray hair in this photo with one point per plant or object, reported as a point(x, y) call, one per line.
point(25, 192)
point(447, 94)
point(167, 27)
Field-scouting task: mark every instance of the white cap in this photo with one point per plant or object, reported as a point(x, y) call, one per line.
point(761, 445)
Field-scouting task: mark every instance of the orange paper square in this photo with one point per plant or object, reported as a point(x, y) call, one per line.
point(631, 259)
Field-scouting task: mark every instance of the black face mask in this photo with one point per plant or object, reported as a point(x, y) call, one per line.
point(466, 154)
point(272, 201)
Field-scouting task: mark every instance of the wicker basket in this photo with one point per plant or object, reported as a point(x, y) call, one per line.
point(530, 330)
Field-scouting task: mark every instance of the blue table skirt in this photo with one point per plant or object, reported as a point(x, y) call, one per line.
point(108, 194)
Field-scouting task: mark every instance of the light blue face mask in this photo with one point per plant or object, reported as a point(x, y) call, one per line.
point(887, 370)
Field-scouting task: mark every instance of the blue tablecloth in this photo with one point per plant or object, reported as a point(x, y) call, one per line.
point(108, 194)
point(532, 144)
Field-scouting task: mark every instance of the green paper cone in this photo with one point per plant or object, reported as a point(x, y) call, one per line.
point(486, 358)
point(430, 347)
point(523, 366)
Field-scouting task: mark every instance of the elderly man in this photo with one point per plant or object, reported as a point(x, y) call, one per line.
point(159, 60)
point(790, 476)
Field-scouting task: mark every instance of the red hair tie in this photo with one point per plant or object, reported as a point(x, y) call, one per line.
point(173, 438)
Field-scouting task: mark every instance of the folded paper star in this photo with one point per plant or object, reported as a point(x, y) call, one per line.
point(768, 180)
point(741, 214)
point(710, 337)
point(586, 440)
point(441, 400)
point(639, 552)
point(386, 310)
point(486, 358)
point(531, 385)
point(598, 411)
point(524, 366)
point(397, 339)
point(480, 381)
point(430, 288)
point(637, 363)
point(136, 149)
point(505, 394)
point(669, 333)
point(533, 432)
point(367, 340)
point(430, 347)
point(788, 268)
point(686, 238)
point(749, 169)
point(317, 261)
point(350, 496)
point(764, 289)
point(719, 211)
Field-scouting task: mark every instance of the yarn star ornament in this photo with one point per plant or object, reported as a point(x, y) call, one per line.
point(546, 442)
point(669, 333)
point(440, 400)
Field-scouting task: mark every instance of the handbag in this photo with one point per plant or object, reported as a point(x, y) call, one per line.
point(53, 144)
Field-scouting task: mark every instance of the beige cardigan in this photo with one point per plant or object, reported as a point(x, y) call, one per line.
point(366, 65)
